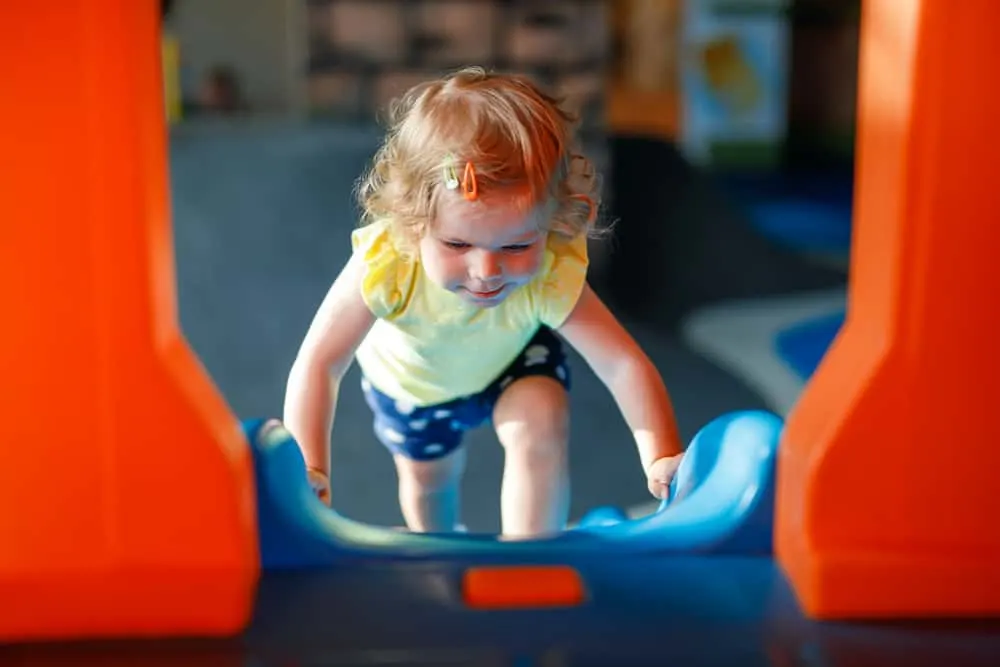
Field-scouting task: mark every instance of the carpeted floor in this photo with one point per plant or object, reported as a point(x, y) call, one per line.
point(262, 215)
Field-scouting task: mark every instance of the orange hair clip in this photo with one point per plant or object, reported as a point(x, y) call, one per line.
point(470, 187)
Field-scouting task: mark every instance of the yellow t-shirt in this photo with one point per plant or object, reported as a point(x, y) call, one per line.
point(428, 345)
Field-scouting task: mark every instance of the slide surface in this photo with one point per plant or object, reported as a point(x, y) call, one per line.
point(721, 502)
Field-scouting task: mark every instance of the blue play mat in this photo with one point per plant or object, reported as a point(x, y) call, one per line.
point(806, 225)
point(803, 345)
point(808, 212)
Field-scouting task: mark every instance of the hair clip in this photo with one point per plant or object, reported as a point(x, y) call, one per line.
point(450, 175)
point(470, 187)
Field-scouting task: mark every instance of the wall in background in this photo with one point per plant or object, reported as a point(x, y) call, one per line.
point(824, 80)
point(261, 40)
point(348, 58)
point(363, 53)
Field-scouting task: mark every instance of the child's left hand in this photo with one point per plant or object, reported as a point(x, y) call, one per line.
point(660, 473)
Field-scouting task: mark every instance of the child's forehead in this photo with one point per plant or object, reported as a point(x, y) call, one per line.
point(488, 222)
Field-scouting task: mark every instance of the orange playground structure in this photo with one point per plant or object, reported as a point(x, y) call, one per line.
point(126, 485)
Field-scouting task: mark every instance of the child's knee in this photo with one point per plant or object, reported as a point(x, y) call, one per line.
point(540, 447)
point(433, 475)
point(532, 418)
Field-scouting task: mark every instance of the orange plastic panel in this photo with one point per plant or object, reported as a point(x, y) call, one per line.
point(887, 495)
point(126, 498)
point(510, 587)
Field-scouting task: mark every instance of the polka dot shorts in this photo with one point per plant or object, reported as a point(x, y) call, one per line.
point(430, 432)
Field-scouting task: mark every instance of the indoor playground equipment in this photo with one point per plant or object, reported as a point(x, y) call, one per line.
point(721, 503)
point(133, 503)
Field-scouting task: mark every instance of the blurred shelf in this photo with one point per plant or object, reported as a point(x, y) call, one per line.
point(362, 54)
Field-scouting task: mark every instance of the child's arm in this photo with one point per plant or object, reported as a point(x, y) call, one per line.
point(339, 326)
point(634, 382)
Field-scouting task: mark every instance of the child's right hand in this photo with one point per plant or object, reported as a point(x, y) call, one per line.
point(320, 484)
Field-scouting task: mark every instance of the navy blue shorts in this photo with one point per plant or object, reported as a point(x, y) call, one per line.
point(432, 431)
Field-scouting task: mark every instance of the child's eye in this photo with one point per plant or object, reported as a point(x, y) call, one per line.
point(521, 247)
point(456, 245)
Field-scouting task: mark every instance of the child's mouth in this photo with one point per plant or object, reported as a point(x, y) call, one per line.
point(486, 295)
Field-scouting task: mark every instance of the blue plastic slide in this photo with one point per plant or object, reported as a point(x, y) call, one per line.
point(721, 502)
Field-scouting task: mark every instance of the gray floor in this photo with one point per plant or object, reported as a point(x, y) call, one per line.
point(262, 215)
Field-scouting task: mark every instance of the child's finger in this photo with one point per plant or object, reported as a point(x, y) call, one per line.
point(320, 485)
point(659, 488)
point(322, 492)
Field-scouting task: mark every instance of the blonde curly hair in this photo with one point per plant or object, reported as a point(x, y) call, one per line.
point(517, 137)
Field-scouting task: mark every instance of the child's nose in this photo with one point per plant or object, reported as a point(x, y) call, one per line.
point(486, 265)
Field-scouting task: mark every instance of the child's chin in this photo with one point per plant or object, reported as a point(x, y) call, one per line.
point(486, 303)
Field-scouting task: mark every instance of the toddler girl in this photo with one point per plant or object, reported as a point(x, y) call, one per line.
point(473, 252)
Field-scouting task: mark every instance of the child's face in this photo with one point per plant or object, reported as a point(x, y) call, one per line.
point(484, 251)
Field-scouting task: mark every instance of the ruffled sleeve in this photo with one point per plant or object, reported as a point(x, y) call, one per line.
point(389, 276)
point(561, 281)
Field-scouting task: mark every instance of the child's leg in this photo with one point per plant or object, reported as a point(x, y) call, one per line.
point(531, 417)
point(426, 445)
point(429, 491)
point(532, 422)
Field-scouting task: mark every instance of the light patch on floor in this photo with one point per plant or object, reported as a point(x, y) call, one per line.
point(740, 337)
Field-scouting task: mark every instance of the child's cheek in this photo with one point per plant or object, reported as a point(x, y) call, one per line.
point(527, 264)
